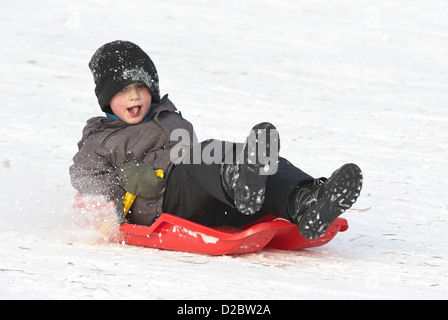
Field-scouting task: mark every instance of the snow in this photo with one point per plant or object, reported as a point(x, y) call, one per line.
point(343, 81)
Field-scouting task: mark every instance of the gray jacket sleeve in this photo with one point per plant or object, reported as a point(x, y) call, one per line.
point(92, 173)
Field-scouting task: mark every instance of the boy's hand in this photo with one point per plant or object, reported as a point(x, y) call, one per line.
point(138, 178)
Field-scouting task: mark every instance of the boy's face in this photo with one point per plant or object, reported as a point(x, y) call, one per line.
point(131, 104)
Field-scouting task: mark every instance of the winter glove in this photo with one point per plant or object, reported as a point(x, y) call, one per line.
point(140, 179)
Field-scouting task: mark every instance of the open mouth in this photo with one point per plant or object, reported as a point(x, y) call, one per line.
point(134, 110)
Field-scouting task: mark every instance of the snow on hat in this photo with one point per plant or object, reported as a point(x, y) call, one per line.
point(118, 64)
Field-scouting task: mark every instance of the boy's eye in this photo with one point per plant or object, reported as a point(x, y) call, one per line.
point(138, 86)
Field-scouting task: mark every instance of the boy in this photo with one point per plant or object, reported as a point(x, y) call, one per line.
point(213, 182)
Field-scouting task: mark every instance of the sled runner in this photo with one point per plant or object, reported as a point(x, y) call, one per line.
point(174, 233)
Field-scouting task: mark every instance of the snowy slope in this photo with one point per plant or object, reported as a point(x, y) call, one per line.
point(343, 81)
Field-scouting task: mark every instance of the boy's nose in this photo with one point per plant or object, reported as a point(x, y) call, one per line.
point(133, 94)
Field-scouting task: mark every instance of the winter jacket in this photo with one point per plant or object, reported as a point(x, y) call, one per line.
point(108, 143)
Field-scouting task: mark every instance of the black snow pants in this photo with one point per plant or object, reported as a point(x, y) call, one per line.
point(194, 192)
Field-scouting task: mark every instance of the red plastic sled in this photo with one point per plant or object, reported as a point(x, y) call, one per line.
point(174, 233)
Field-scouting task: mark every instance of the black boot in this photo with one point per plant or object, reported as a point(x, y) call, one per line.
point(303, 197)
point(245, 180)
point(315, 206)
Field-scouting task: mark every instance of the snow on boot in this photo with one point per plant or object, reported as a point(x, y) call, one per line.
point(315, 207)
point(245, 180)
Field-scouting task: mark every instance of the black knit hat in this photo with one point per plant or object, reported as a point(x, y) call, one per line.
point(118, 64)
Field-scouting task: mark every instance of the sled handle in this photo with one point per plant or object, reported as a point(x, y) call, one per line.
point(128, 200)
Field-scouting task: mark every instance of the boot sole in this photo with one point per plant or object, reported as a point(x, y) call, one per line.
point(342, 191)
point(250, 187)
